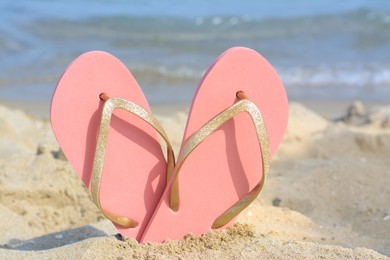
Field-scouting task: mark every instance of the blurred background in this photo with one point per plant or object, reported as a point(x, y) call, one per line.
point(322, 50)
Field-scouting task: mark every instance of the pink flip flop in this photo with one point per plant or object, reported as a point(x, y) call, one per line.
point(224, 157)
point(103, 124)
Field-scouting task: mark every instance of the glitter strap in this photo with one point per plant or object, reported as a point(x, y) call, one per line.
point(243, 105)
point(109, 106)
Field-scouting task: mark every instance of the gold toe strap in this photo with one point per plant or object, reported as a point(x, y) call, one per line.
point(109, 106)
point(243, 105)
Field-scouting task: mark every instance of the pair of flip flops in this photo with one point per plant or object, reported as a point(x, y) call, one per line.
point(104, 126)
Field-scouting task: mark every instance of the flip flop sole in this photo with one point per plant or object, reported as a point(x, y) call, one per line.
point(227, 164)
point(134, 166)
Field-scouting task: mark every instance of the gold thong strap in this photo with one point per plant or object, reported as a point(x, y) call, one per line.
point(243, 105)
point(109, 106)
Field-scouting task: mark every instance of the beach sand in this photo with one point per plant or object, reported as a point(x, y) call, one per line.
point(326, 196)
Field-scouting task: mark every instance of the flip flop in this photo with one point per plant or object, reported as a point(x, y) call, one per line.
point(103, 124)
point(225, 153)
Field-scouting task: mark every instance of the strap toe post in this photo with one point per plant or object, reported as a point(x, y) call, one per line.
point(110, 104)
point(241, 95)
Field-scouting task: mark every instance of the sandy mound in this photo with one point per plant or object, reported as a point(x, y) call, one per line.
point(327, 190)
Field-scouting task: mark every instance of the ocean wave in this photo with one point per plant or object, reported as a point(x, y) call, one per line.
point(161, 72)
point(344, 75)
point(351, 75)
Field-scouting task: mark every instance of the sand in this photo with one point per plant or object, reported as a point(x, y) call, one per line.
point(326, 196)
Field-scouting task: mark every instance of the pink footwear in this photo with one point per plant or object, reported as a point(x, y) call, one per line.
point(104, 126)
point(221, 168)
point(117, 154)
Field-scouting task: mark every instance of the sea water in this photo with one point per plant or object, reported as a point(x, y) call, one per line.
point(321, 49)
